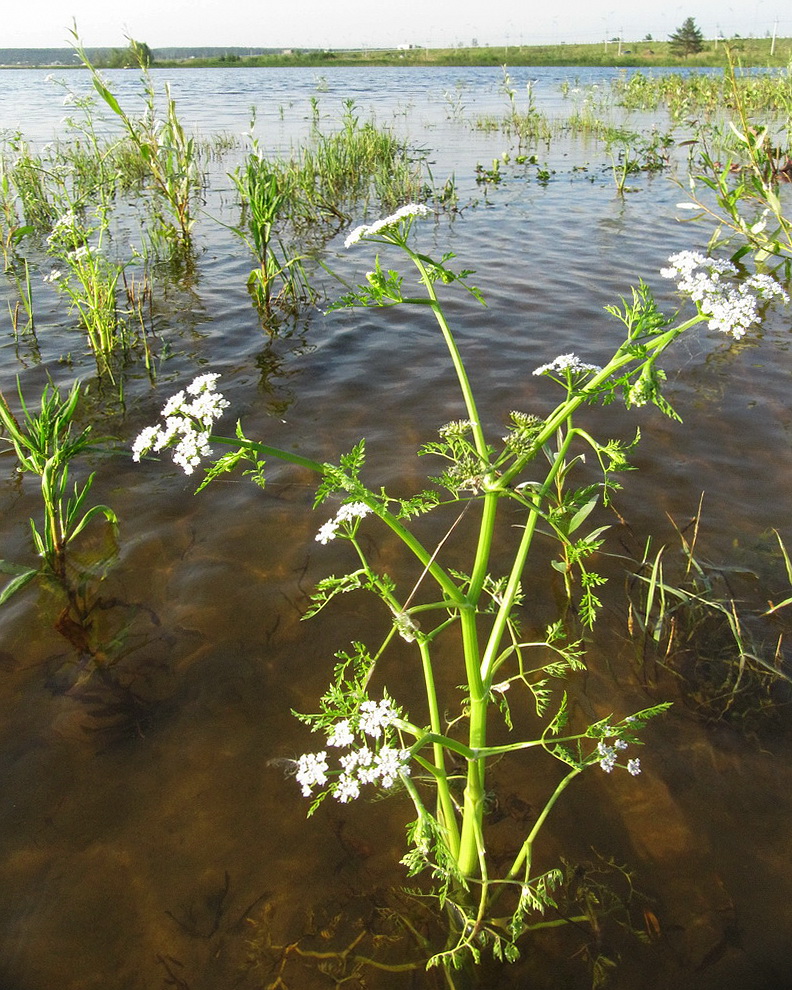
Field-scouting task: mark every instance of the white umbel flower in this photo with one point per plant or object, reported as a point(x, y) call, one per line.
point(369, 230)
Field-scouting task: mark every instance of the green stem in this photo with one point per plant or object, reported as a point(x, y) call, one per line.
point(446, 812)
point(456, 357)
point(523, 859)
point(473, 805)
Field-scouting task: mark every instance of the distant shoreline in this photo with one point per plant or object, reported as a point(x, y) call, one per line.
point(615, 53)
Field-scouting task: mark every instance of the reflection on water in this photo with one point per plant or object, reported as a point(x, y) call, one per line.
point(148, 834)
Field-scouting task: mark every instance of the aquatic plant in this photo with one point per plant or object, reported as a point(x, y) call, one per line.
point(349, 168)
point(442, 757)
point(28, 174)
point(693, 94)
point(527, 124)
point(89, 279)
point(45, 443)
point(279, 277)
point(25, 301)
point(169, 156)
point(631, 153)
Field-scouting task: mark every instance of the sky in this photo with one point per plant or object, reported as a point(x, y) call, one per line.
point(367, 23)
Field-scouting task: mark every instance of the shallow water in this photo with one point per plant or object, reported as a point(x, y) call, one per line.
point(146, 839)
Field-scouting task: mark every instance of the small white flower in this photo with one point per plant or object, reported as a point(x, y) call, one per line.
point(327, 532)
point(376, 716)
point(355, 236)
point(203, 383)
point(634, 767)
point(406, 627)
point(188, 424)
point(732, 309)
point(190, 450)
point(352, 510)
point(347, 788)
point(607, 756)
point(392, 762)
point(144, 442)
point(174, 405)
point(53, 276)
point(348, 512)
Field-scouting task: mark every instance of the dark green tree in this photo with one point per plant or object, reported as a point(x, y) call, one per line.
point(686, 40)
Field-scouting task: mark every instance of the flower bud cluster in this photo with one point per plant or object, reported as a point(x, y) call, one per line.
point(188, 424)
point(364, 762)
point(732, 308)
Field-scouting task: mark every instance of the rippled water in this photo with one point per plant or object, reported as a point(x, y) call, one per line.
point(145, 838)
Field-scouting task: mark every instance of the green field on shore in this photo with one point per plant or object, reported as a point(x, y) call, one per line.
point(750, 51)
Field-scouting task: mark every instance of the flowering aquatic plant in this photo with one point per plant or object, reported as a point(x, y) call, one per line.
point(441, 761)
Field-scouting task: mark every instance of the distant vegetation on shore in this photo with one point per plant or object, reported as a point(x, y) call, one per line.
point(615, 52)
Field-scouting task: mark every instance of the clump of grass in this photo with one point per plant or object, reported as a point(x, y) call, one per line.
point(309, 197)
point(631, 153)
point(358, 165)
point(279, 278)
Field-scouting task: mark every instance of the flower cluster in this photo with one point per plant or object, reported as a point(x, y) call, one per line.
point(566, 364)
point(311, 771)
point(348, 513)
point(607, 756)
point(732, 309)
point(188, 423)
point(383, 764)
point(405, 213)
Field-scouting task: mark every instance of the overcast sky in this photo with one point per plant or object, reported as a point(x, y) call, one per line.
point(357, 23)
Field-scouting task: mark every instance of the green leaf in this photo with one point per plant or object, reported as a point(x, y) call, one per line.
point(582, 514)
point(22, 576)
point(107, 96)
